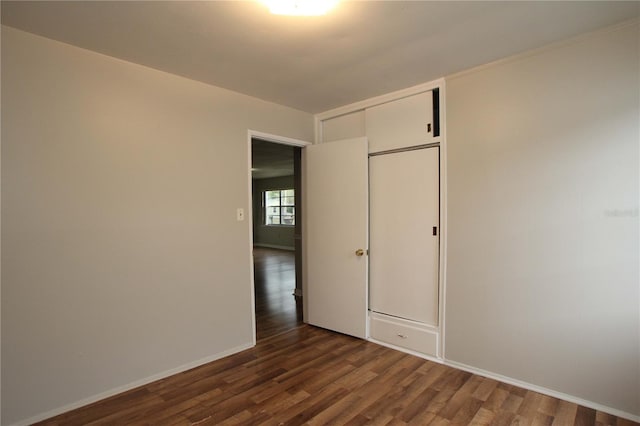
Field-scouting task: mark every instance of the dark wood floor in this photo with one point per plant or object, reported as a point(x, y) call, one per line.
point(277, 310)
point(298, 374)
point(316, 377)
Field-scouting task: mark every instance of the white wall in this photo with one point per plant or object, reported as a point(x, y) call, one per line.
point(542, 276)
point(122, 255)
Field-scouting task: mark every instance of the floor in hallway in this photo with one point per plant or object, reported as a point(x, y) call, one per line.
point(277, 310)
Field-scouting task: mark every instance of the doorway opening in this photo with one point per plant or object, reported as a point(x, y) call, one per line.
point(277, 237)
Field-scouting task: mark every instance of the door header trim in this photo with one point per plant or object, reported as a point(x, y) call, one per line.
point(277, 139)
point(411, 148)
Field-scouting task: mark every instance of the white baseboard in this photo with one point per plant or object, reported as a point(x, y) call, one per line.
point(542, 390)
point(454, 364)
point(132, 385)
point(273, 246)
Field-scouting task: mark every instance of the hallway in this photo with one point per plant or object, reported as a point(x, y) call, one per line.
point(277, 310)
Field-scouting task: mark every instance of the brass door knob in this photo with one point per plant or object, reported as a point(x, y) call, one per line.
point(360, 252)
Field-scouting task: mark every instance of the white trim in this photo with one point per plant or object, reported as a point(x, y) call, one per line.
point(368, 103)
point(442, 140)
point(303, 233)
point(442, 289)
point(274, 246)
point(283, 140)
point(132, 385)
point(317, 129)
point(542, 390)
point(249, 216)
point(515, 382)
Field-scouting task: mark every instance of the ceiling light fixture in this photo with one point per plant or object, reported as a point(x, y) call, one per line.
point(300, 7)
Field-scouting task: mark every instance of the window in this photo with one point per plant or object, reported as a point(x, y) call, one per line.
point(279, 207)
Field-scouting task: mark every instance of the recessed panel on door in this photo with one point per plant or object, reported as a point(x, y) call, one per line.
point(404, 252)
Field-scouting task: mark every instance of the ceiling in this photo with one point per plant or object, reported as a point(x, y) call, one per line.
point(270, 159)
point(360, 50)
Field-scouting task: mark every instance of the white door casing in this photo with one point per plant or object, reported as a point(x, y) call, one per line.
point(337, 226)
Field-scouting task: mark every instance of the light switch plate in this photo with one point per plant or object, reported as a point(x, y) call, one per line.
point(240, 214)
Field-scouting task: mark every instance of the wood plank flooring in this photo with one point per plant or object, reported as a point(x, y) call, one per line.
point(277, 310)
point(313, 376)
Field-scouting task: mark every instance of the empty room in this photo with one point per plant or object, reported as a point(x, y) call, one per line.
point(456, 234)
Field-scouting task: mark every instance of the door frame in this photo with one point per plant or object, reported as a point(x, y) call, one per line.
point(389, 97)
point(283, 140)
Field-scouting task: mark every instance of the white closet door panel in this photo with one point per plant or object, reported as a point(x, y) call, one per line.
point(404, 208)
point(401, 123)
point(344, 127)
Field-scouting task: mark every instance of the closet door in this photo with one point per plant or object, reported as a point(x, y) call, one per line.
point(401, 123)
point(346, 126)
point(404, 215)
